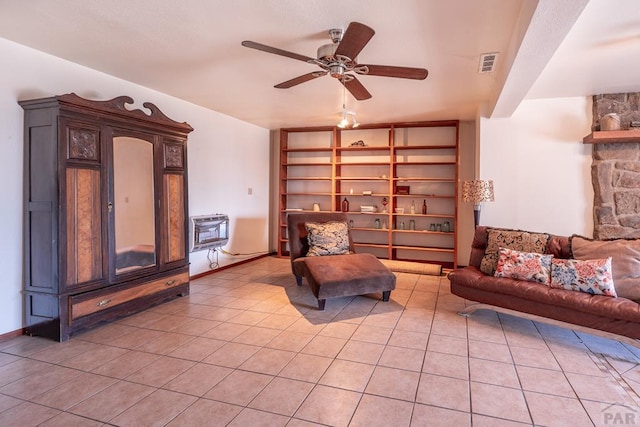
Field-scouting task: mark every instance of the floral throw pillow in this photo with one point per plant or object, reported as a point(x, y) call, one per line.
point(513, 239)
point(532, 267)
point(591, 276)
point(327, 238)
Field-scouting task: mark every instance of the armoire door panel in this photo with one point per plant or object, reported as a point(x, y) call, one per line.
point(84, 227)
point(174, 215)
point(174, 155)
point(83, 144)
point(41, 275)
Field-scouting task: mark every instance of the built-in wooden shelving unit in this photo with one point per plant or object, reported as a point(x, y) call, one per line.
point(324, 165)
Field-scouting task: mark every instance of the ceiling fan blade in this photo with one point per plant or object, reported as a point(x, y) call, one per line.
point(275, 50)
point(356, 89)
point(300, 79)
point(391, 71)
point(354, 39)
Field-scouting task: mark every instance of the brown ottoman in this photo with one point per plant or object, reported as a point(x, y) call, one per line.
point(346, 275)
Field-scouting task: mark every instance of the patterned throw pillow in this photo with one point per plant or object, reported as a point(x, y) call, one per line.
point(591, 276)
point(532, 267)
point(327, 238)
point(512, 239)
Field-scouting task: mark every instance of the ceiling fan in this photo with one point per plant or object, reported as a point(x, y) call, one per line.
point(339, 60)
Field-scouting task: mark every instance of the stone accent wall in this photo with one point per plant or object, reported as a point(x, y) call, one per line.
point(615, 172)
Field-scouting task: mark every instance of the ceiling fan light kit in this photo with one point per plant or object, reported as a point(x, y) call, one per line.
point(348, 120)
point(338, 60)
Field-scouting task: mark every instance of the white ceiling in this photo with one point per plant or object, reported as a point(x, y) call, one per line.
point(191, 49)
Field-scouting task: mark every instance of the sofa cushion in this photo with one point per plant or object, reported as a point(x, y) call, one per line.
point(327, 238)
point(591, 276)
point(625, 261)
point(522, 241)
point(529, 266)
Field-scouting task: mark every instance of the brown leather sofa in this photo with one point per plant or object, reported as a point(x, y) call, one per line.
point(617, 318)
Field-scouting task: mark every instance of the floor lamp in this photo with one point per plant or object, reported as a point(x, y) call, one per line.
point(477, 191)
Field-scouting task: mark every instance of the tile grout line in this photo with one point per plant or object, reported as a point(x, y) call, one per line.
point(606, 367)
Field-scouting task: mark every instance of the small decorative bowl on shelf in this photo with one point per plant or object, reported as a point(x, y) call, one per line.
point(399, 211)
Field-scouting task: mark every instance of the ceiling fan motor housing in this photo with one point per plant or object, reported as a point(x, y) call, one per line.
point(336, 71)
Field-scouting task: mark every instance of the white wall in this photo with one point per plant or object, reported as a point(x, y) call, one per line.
point(225, 157)
point(540, 167)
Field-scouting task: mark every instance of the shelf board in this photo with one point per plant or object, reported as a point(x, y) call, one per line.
point(425, 163)
point(365, 213)
point(307, 194)
point(421, 179)
point(303, 210)
point(424, 147)
point(307, 178)
point(612, 136)
point(428, 215)
point(367, 148)
point(424, 196)
point(369, 229)
point(447, 233)
point(307, 164)
point(307, 150)
point(363, 195)
point(424, 249)
point(360, 178)
point(370, 245)
point(362, 164)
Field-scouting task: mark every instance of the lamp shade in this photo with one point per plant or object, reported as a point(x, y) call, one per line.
point(477, 191)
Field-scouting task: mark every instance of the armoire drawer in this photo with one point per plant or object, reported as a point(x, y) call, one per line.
point(81, 306)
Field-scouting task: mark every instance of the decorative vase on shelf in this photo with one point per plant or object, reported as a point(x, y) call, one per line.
point(610, 121)
point(385, 202)
point(413, 206)
point(345, 205)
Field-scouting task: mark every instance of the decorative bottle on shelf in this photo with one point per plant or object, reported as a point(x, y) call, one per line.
point(345, 205)
point(413, 206)
point(446, 227)
point(424, 207)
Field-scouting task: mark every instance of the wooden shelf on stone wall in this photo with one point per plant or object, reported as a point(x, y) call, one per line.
point(612, 136)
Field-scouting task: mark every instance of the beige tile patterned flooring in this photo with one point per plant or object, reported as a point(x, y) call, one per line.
point(249, 348)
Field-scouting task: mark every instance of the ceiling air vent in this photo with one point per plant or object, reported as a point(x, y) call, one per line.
point(487, 62)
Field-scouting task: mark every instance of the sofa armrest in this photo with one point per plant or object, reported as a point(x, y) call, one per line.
point(465, 276)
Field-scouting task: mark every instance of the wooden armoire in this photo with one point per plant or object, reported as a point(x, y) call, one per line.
point(105, 215)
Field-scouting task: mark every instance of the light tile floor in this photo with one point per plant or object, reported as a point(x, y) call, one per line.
point(249, 348)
